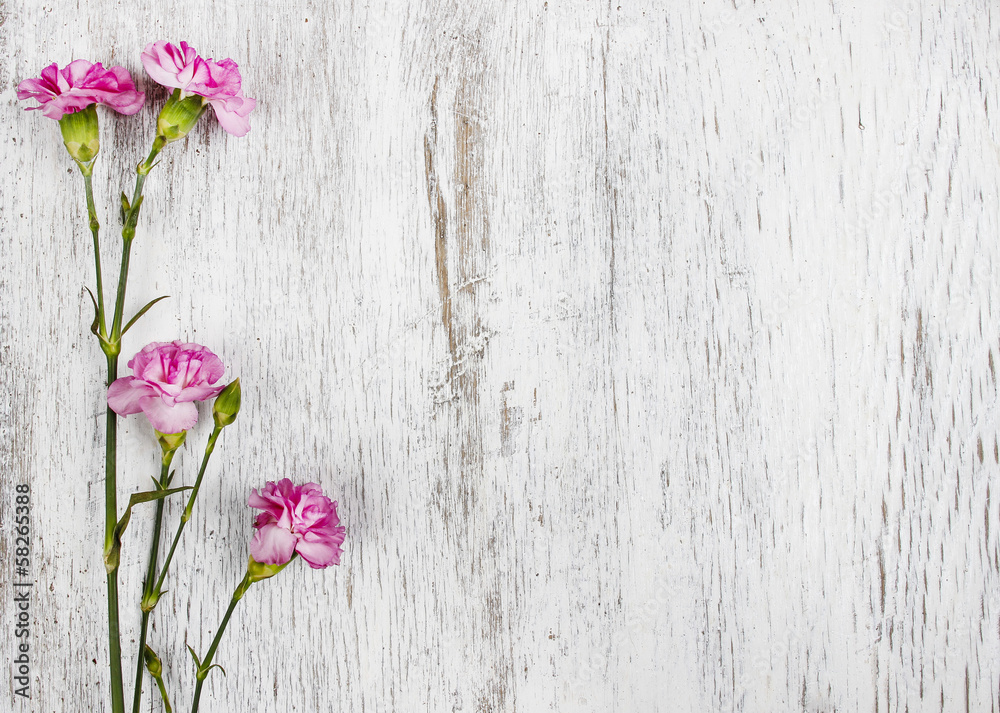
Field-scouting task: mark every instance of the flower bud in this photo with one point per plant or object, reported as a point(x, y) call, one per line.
point(153, 664)
point(227, 405)
point(179, 115)
point(149, 601)
point(170, 442)
point(80, 134)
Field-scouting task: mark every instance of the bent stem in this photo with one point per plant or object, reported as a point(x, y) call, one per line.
point(147, 587)
point(205, 665)
point(209, 448)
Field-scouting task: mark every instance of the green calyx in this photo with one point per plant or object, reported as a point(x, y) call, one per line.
point(179, 115)
point(170, 442)
point(149, 601)
point(227, 405)
point(257, 571)
point(80, 133)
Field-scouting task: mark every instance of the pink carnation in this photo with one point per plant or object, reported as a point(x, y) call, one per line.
point(296, 519)
point(169, 378)
point(219, 82)
point(78, 85)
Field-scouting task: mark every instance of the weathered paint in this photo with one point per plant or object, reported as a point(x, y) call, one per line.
point(650, 350)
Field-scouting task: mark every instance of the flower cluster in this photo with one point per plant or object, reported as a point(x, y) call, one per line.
point(81, 84)
point(169, 378)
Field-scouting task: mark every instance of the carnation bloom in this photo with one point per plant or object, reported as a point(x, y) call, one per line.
point(78, 85)
point(168, 378)
point(296, 518)
point(217, 82)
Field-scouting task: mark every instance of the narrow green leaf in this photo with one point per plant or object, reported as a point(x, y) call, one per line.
point(133, 216)
point(166, 484)
point(112, 556)
point(97, 313)
point(142, 312)
point(197, 661)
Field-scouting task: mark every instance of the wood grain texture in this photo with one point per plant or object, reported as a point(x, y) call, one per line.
point(650, 350)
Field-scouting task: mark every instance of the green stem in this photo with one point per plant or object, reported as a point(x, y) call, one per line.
point(116, 326)
point(111, 349)
point(147, 587)
point(163, 694)
point(115, 646)
point(95, 229)
point(128, 234)
point(206, 663)
point(137, 689)
point(110, 520)
point(110, 459)
point(209, 447)
point(143, 169)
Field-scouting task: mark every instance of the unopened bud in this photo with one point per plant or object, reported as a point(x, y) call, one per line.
point(81, 135)
point(179, 115)
point(227, 405)
point(153, 664)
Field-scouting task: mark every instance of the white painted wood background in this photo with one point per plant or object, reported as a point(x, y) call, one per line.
point(650, 350)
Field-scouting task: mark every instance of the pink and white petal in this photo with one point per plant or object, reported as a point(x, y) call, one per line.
point(144, 357)
point(193, 76)
point(125, 395)
point(127, 102)
point(56, 108)
point(272, 545)
point(169, 419)
point(318, 554)
point(265, 518)
point(223, 81)
point(69, 103)
point(34, 89)
point(272, 510)
point(309, 488)
point(163, 62)
point(124, 99)
point(157, 62)
point(199, 393)
point(232, 114)
point(76, 72)
point(212, 367)
point(122, 77)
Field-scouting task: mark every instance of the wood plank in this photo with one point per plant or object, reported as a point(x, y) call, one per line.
point(649, 349)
